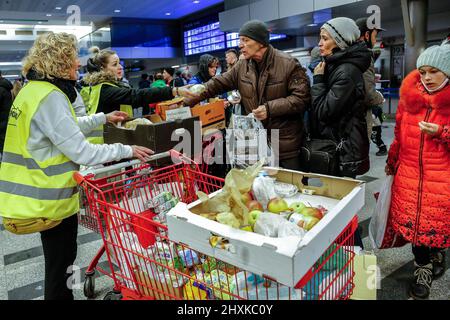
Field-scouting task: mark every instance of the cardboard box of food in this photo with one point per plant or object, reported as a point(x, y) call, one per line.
point(163, 107)
point(285, 260)
point(212, 115)
point(160, 136)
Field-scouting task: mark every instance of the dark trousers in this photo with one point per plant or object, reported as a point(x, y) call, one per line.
point(376, 137)
point(422, 255)
point(60, 251)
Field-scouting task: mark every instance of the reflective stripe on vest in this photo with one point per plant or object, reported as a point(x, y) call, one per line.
point(30, 188)
point(91, 99)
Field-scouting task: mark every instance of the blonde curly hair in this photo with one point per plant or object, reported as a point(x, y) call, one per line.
point(52, 55)
point(100, 59)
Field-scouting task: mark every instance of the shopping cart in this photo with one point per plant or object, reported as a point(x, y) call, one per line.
point(145, 264)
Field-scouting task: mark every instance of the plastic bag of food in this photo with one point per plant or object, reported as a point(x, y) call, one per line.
point(268, 224)
point(285, 190)
point(197, 88)
point(228, 219)
point(264, 190)
point(133, 124)
point(237, 182)
point(286, 229)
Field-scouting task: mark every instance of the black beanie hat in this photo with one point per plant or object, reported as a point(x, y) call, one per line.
point(256, 30)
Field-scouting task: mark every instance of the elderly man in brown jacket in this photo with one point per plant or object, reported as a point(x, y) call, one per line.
point(272, 84)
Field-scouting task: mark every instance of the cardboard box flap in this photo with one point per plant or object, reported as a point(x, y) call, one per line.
point(329, 186)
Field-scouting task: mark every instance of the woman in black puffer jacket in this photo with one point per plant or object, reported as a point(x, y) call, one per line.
point(337, 110)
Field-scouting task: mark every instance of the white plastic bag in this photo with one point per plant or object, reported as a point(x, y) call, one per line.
point(287, 229)
point(268, 224)
point(380, 215)
point(264, 189)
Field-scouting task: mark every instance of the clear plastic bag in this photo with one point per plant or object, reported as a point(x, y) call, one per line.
point(287, 229)
point(378, 223)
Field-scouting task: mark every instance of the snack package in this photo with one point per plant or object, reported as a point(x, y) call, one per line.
point(220, 280)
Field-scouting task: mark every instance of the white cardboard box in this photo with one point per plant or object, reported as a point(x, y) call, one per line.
point(285, 260)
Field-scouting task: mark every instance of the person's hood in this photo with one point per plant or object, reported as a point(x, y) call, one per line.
point(414, 96)
point(6, 84)
point(358, 54)
point(203, 72)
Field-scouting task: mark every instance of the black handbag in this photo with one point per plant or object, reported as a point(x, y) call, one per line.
point(320, 156)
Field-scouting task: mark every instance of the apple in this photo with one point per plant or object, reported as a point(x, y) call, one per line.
point(246, 197)
point(312, 212)
point(310, 222)
point(254, 205)
point(253, 216)
point(277, 205)
point(297, 206)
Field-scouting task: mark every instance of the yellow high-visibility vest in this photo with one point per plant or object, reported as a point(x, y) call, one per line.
point(30, 188)
point(91, 99)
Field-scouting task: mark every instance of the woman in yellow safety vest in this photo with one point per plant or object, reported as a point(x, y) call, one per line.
point(104, 92)
point(45, 144)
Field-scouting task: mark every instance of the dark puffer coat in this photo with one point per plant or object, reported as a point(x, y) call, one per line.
point(338, 112)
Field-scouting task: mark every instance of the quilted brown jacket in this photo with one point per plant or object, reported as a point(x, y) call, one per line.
point(281, 84)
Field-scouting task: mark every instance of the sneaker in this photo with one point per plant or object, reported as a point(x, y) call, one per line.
point(438, 261)
point(382, 151)
point(423, 278)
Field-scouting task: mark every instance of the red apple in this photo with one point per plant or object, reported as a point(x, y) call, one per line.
point(254, 205)
point(312, 212)
point(277, 205)
point(246, 197)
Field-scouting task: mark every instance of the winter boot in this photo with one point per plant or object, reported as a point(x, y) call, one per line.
point(438, 261)
point(382, 151)
point(423, 278)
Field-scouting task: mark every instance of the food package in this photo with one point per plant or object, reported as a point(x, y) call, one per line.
point(245, 286)
point(131, 125)
point(211, 263)
point(286, 229)
point(189, 258)
point(197, 88)
point(285, 190)
point(221, 281)
point(268, 224)
point(237, 182)
point(196, 289)
point(264, 189)
point(228, 219)
point(160, 286)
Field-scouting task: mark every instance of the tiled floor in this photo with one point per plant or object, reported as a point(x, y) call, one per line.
point(22, 263)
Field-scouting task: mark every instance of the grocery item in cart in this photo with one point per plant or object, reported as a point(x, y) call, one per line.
point(132, 125)
point(264, 189)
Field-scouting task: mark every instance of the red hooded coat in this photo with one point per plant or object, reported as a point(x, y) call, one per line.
point(420, 207)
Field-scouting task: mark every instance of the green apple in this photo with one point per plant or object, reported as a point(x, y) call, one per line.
point(297, 206)
point(312, 212)
point(253, 216)
point(277, 205)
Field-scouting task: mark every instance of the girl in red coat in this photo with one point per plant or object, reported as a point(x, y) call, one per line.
point(420, 160)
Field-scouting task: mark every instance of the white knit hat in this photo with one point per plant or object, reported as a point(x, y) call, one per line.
point(343, 30)
point(437, 57)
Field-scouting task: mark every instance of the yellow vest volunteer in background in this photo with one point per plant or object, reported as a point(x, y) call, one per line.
point(104, 92)
point(44, 145)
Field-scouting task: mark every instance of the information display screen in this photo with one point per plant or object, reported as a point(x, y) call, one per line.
point(209, 37)
point(204, 39)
